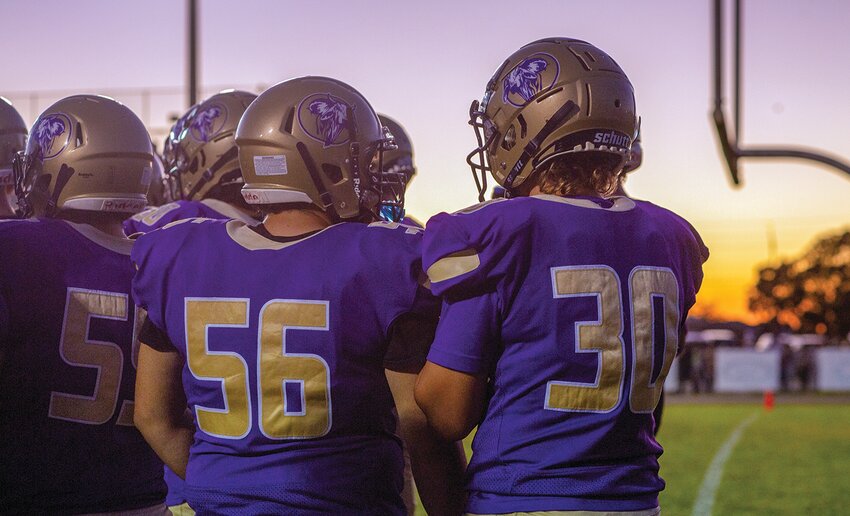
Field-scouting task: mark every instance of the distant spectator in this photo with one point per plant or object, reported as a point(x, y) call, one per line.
point(805, 368)
point(685, 368)
point(786, 367)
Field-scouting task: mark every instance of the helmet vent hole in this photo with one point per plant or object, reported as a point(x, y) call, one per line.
point(617, 103)
point(78, 141)
point(589, 97)
point(549, 94)
point(590, 56)
point(287, 124)
point(333, 172)
point(523, 127)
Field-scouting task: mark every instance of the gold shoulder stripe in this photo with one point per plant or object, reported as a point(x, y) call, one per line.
point(454, 265)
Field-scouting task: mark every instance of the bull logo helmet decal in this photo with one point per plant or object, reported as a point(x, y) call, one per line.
point(326, 119)
point(534, 74)
point(208, 122)
point(48, 131)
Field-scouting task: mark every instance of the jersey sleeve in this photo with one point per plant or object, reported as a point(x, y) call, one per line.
point(409, 310)
point(411, 335)
point(467, 334)
point(155, 337)
point(477, 249)
point(153, 256)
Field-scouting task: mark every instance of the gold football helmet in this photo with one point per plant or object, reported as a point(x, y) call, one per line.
point(200, 152)
point(550, 98)
point(87, 152)
point(312, 140)
point(13, 138)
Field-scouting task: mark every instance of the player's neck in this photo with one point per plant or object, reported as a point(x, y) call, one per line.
point(295, 222)
point(107, 223)
point(579, 192)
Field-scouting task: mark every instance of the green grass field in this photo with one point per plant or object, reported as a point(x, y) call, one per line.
point(793, 460)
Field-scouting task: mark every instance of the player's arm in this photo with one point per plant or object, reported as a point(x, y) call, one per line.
point(452, 400)
point(438, 464)
point(452, 387)
point(160, 411)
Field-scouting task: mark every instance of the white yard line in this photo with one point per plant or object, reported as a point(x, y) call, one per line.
point(708, 489)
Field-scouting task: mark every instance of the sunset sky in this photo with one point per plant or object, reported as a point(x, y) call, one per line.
point(424, 62)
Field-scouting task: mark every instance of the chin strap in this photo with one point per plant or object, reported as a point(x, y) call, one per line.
point(561, 116)
point(65, 174)
point(324, 195)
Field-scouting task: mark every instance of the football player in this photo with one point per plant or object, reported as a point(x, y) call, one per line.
point(202, 166)
point(286, 334)
point(67, 322)
point(399, 170)
point(563, 305)
point(13, 137)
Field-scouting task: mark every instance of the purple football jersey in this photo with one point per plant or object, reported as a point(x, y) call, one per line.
point(157, 216)
point(67, 326)
point(284, 345)
point(573, 307)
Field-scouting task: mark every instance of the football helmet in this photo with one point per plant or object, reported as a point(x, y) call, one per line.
point(552, 97)
point(398, 169)
point(200, 153)
point(313, 140)
point(87, 152)
point(13, 138)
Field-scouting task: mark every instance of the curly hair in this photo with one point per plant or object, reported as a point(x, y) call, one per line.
point(581, 173)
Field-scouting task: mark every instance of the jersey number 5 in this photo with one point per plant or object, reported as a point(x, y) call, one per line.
point(655, 319)
point(293, 389)
point(79, 350)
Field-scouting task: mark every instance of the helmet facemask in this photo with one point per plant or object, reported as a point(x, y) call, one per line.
point(485, 134)
point(24, 170)
point(391, 179)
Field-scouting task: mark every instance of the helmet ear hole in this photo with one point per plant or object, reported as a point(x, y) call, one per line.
point(523, 127)
point(333, 172)
point(287, 124)
point(509, 140)
point(78, 141)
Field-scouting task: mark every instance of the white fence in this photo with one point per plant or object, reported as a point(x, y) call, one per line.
point(833, 369)
point(746, 370)
point(157, 107)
